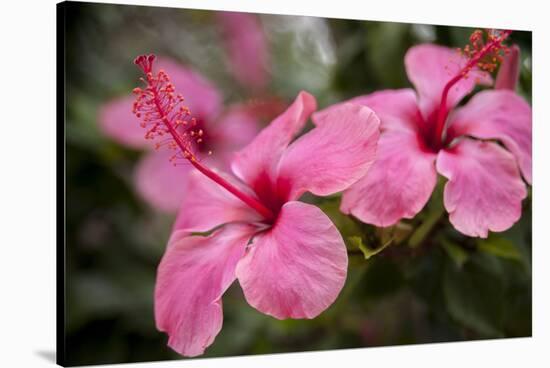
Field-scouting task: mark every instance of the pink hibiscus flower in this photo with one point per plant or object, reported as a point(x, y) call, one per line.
point(289, 258)
point(424, 133)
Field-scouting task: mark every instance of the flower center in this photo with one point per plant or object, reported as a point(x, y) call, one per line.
point(273, 194)
point(162, 112)
point(484, 52)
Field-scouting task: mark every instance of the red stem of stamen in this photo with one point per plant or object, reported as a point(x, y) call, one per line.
point(247, 199)
point(442, 112)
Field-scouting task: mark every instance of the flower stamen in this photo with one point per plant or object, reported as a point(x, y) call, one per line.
point(484, 52)
point(162, 112)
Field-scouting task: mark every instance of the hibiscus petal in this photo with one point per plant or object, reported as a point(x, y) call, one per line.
point(297, 268)
point(246, 47)
point(191, 279)
point(159, 182)
point(207, 205)
point(502, 115)
point(117, 121)
point(429, 68)
point(508, 73)
point(334, 155)
point(236, 128)
point(261, 156)
point(398, 184)
point(484, 191)
point(201, 96)
point(397, 109)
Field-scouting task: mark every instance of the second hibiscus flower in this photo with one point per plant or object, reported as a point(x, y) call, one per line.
point(424, 133)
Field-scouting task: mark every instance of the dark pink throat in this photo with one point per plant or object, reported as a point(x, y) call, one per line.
point(426, 137)
point(267, 214)
point(273, 194)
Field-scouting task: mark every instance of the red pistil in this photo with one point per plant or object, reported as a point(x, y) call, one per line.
point(482, 54)
point(162, 113)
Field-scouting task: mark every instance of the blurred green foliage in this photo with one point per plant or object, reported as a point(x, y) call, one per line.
point(426, 282)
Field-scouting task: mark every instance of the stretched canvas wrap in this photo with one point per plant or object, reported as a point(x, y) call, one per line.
point(241, 183)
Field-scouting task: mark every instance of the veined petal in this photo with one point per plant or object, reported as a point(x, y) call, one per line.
point(334, 155)
point(297, 268)
point(117, 121)
point(207, 205)
point(498, 114)
point(259, 158)
point(397, 109)
point(201, 96)
point(484, 191)
point(246, 47)
point(429, 68)
point(191, 279)
point(398, 184)
point(159, 182)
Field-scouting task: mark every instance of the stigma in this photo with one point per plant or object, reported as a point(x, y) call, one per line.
point(164, 116)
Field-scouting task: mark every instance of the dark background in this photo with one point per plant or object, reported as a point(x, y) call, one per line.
point(432, 285)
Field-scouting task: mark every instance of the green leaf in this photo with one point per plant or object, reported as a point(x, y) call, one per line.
point(367, 252)
point(396, 233)
point(345, 224)
point(455, 252)
point(391, 40)
point(474, 295)
point(382, 277)
point(424, 229)
point(500, 247)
